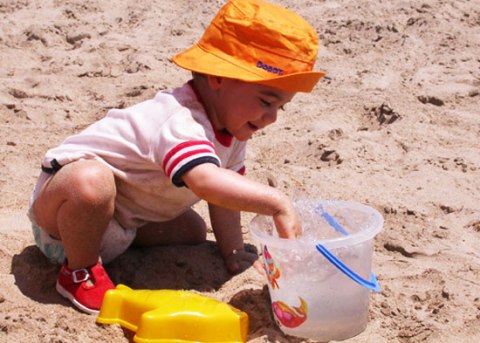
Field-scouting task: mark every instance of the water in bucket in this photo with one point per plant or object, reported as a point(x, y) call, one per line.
point(319, 283)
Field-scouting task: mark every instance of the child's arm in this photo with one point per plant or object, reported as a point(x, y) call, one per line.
point(228, 233)
point(230, 190)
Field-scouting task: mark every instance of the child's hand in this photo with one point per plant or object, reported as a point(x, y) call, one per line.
point(287, 223)
point(239, 260)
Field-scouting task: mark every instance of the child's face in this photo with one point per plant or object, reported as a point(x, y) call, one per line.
point(242, 108)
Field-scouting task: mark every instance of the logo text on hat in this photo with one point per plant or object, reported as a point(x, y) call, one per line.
point(269, 68)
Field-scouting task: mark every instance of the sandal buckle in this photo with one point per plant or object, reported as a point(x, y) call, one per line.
point(80, 275)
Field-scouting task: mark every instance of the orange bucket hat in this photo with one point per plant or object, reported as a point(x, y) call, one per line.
point(255, 41)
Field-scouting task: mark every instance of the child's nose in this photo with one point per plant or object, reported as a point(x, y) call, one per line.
point(270, 117)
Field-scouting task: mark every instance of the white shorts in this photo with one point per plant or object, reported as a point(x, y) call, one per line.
point(115, 241)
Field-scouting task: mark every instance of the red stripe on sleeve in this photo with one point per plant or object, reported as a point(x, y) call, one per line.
point(184, 156)
point(184, 145)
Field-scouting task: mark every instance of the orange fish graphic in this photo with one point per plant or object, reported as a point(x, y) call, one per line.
point(273, 272)
point(290, 317)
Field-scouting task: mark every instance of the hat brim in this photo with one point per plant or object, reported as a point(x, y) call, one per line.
point(198, 60)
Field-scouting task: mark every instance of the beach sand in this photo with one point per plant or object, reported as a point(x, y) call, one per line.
point(395, 126)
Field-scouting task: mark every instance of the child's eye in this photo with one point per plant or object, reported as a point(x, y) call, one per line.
point(265, 103)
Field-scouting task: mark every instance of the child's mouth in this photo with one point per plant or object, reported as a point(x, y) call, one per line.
point(253, 127)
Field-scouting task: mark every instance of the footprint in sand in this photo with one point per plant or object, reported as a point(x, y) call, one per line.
point(328, 156)
point(379, 116)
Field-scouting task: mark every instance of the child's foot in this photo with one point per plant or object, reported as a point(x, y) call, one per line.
point(85, 288)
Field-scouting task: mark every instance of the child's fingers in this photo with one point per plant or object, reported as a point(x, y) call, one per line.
point(259, 267)
point(288, 226)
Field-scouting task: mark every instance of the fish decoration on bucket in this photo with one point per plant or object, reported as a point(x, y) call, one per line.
point(290, 317)
point(273, 272)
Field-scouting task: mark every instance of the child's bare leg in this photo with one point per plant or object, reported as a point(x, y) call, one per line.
point(75, 206)
point(189, 228)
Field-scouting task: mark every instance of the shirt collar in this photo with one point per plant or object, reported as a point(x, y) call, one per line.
point(222, 136)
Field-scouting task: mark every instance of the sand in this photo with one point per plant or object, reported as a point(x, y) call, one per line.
point(395, 125)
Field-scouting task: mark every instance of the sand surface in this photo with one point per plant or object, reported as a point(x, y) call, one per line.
point(396, 126)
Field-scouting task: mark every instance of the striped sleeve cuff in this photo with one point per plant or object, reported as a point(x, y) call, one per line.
point(187, 155)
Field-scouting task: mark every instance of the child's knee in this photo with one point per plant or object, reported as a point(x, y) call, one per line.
point(197, 229)
point(92, 182)
point(199, 235)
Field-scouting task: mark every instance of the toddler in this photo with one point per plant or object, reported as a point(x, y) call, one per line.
point(133, 176)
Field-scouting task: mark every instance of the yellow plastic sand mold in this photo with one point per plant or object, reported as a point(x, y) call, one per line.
point(160, 316)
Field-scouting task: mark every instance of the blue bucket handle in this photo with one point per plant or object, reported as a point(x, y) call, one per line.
point(333, 223)
point(372, 284)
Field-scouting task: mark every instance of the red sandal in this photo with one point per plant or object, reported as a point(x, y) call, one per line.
point(84, 287)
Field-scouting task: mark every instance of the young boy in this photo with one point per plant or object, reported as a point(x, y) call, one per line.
point(132, 177)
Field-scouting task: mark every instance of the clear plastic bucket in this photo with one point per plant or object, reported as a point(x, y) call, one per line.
point(319, 283)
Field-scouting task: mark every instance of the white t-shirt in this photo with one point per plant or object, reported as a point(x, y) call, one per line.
point(149, 146)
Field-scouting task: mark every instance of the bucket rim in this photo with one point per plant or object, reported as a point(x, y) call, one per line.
point(331, 243)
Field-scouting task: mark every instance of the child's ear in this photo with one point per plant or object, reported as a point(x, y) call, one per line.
point(214, 82)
